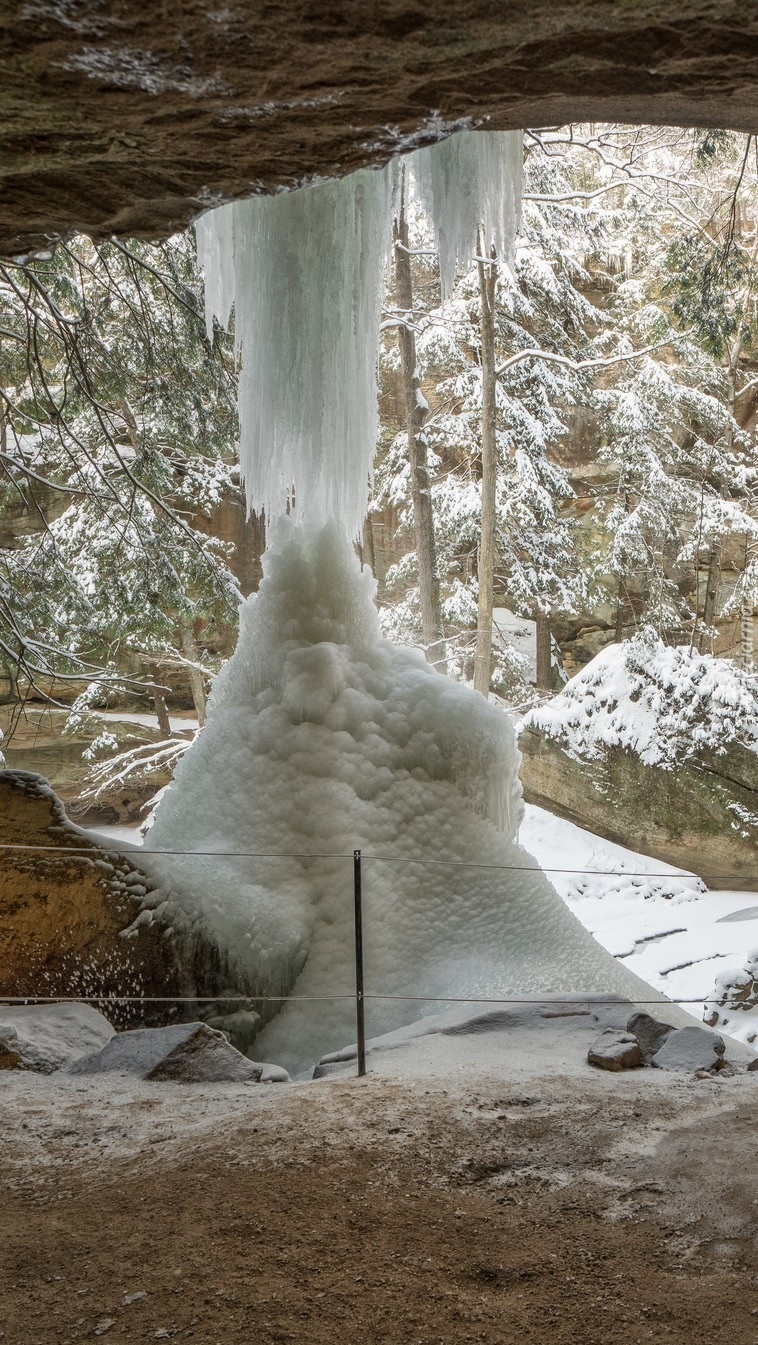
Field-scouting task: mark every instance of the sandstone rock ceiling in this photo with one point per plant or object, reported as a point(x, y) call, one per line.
point(129, 116)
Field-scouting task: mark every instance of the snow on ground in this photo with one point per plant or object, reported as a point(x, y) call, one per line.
point(179, 722)
point(663, 923)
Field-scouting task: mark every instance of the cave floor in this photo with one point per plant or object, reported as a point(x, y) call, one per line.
point(488, 1205)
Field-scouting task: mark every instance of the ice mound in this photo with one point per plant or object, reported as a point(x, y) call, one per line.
point(323, 737)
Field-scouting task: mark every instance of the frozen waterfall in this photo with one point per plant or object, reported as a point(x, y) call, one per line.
point(323, 737)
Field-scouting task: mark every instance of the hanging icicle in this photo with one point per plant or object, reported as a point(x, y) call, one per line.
point(304, 273)
point(467, 181)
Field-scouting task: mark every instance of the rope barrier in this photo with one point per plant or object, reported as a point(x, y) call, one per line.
point(567, 997)
point(75, 851)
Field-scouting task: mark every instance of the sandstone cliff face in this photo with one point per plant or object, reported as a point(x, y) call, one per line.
point(65, 904)
point(63, 910)
point(702, 816)
point(131, 118)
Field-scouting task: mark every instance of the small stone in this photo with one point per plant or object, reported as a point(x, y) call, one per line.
point(650, 1033)
point(104, 1325)
point(615, 1050)
point(690, 1049)
point(133, 1298)
point(753, 1066)
point(10, 1048)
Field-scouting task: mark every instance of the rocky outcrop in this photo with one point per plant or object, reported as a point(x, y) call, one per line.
point(77, 920)
point(130, 118)
point(701, 816)
point(65, 905)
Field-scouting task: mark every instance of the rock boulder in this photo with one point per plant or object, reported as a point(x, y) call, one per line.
point(689, 1049)
point(615, 1050)
point(185, 1053)
point(47, 1037)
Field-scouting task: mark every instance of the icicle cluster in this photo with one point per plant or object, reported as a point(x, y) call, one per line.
point(304, 274)
point(465, 182)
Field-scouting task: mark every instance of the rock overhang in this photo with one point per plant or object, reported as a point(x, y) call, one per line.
point(127, 119)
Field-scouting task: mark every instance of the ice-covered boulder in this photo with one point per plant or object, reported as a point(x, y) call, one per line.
point(184, 1053)
point(655, 748)
point(46, 1037)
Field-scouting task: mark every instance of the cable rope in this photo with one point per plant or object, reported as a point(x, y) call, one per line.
point(131, 855)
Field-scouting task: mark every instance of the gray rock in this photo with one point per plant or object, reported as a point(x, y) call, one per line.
point(690, 1049)
point(753, 1066)
point(47, 1037)
point(615, 1049)
point(184, 1053)
point(650, 1033)
point(10, 1048)
point(274, 1074)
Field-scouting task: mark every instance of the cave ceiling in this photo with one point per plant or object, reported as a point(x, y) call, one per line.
point(129, 118)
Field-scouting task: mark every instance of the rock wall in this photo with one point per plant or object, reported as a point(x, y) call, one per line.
point(130, 118)
point(62, 912)
point(702, 816)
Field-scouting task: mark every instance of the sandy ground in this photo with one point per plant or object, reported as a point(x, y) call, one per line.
point(464, 1191)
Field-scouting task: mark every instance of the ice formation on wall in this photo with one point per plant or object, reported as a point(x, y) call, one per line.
point(323, 737)
point(466, 180)
point(304, 273)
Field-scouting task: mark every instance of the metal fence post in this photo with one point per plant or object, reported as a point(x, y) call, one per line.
point(359, 1000)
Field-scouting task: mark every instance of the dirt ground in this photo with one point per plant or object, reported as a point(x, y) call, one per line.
point(381, 1210)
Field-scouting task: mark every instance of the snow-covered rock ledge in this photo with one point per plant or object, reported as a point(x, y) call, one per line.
point(657, 749)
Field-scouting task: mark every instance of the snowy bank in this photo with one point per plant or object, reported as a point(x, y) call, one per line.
point(666, 705)
point(657, 749)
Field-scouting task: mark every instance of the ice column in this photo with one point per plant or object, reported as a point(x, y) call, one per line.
point(304, 274)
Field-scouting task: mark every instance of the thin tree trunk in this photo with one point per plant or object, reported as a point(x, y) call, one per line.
point(618, 633)
point(368, 555)
point(544, 651)
point(710, 602)
point(483, 655)
point(161, 709)
point(421, 493)
point(197, 686)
